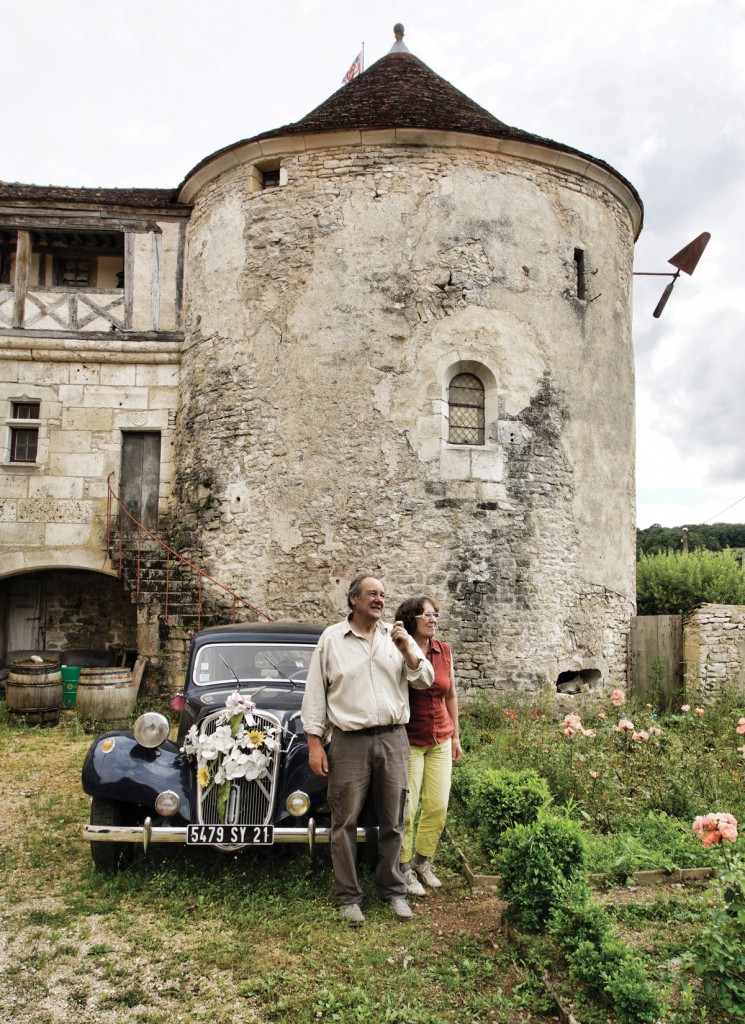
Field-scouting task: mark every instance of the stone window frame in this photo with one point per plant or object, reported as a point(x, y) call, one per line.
point(491, 400)
point(268, 175)
point(474, 462)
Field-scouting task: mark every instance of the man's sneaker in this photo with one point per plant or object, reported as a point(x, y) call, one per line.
point(427, 875)
point(413, 886)
point(400, 908)
point(352, 915)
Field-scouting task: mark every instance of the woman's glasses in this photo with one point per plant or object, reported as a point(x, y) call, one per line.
point(428, 615)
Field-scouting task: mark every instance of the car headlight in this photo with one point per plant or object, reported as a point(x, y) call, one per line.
point(298, 803)
point(151, 729)
point(167, 803)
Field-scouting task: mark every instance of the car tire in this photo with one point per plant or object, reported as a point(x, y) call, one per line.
point(109, 856)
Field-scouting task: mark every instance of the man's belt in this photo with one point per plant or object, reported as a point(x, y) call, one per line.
point(375, 730)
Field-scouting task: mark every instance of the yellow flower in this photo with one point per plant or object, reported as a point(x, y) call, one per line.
point(203, 777)
point(256, 737)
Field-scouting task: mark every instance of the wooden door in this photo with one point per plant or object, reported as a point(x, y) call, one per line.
point(657, 668)
point(140, 477)
point(23, 602)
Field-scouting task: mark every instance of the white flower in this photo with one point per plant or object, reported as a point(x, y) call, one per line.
point(257, 765)
point(220, 742)
point(191, 741)
point(238, 703)
point(233, 766)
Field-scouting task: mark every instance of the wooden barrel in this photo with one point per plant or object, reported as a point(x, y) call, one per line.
point(34, 691)
point(106, 697)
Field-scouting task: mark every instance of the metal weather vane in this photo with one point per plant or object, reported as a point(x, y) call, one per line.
point(685, 260)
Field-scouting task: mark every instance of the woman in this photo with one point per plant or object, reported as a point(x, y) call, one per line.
point(433, 746)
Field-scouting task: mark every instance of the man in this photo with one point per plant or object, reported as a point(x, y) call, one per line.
point(357, 688)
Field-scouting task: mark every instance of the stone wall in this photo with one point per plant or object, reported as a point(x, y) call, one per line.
point(324, 321)
point(714, 649)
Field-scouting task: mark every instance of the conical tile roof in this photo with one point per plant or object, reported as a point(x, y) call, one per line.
point(401, 91)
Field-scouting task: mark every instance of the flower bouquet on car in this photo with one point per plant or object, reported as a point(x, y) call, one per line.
point(236, 749)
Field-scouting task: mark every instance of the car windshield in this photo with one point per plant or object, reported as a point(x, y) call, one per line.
point(251, 662)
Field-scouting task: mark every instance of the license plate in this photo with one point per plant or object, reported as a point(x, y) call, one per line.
point(229, 835)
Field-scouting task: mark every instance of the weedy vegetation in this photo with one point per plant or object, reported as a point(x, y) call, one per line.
point(199, 936)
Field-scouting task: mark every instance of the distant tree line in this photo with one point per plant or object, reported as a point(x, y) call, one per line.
point(657, 539)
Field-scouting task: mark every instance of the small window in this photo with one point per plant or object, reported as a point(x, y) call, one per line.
point(579, 263)
point(24, 441)
point(73, 272)
point(270, 179)
point(466, 410)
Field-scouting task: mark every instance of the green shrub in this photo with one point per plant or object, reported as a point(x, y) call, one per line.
point(673, 583)
point(717, 956)
point(536, 861)
point(495, 799)
point(598, 960)
point(575, 918)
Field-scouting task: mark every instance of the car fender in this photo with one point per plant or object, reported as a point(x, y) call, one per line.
point(118, 768)
point(296, 774)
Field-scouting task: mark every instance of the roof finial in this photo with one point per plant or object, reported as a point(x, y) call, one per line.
point(399, 46)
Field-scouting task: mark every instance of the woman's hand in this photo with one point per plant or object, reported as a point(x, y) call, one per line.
point(457, 749)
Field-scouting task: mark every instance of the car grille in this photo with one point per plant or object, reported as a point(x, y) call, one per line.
point(250, 802)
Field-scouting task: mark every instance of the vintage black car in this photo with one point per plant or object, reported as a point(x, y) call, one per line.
point(236, 775)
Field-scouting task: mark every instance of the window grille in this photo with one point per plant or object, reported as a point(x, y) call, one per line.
point(466, 407)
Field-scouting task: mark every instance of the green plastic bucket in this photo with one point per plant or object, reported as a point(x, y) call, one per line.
point(70, 680)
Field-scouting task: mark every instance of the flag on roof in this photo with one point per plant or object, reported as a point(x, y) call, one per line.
point(355, 69)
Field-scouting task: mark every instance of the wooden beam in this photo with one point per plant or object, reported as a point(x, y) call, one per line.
point(23, 276)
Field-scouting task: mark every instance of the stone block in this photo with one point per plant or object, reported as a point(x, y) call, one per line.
point(78, 418)
point(118, 375)
point(86, 373)
point(23, 535)
point(114, 398)
point(455, 464)
point(66, 535)
point(66, 488)
point(77, 465)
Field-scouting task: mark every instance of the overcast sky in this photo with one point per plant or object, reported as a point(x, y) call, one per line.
point(137, 93)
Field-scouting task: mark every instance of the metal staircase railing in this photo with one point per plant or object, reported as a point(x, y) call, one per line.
point(202, 577)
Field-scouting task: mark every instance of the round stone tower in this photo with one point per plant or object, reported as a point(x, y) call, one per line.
point(408, 350)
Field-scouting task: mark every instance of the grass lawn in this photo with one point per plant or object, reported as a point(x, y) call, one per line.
point(199, 936)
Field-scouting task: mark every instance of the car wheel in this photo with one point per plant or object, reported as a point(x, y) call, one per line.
point(109, 856)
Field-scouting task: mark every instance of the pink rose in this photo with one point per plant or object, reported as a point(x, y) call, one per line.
point(572, 724)
point(698, 711)
point(727, 831)
point(640, 735)
point(617, 698)
point(654, 730)
point(685, 707)
point(740, 727)
point(710, 838)
point(601, 715)
point(623, 725)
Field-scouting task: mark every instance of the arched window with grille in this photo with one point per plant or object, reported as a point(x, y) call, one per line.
point(466, 410)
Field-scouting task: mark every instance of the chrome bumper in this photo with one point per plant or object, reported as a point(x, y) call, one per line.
point(148, 833)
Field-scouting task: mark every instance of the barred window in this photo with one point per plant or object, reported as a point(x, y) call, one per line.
point(466, 406)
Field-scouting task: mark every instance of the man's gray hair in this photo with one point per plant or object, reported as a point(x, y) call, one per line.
point(355, 587)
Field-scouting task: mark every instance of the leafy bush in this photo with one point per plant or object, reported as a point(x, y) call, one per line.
point(717, 956)
point(536, 861)
point(495, 799)
point(598, 960)
point(673, 583)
